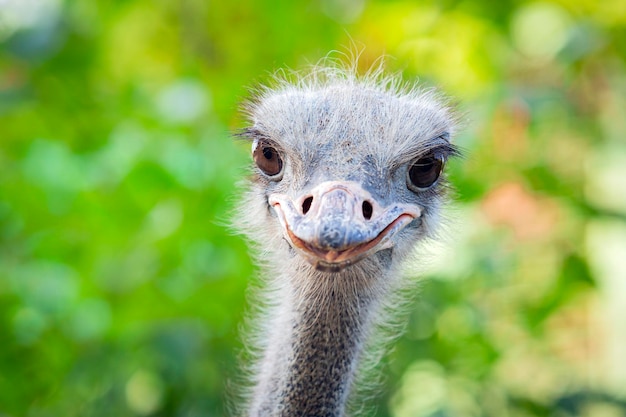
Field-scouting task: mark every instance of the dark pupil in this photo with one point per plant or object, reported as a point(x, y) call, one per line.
point(268, 153)
point(425, 172)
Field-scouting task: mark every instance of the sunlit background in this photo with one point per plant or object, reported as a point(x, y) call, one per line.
point(122, 292)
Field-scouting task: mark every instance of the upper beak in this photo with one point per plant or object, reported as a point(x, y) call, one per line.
point(339, 223)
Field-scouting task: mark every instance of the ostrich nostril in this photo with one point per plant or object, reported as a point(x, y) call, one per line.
point(367, 210)
point(306, 205)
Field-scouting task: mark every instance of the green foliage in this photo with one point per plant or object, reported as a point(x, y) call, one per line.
point(122, 290)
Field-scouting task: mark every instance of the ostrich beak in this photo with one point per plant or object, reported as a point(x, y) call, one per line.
point(339, 223)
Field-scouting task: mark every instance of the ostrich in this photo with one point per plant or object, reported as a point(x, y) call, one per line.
point(347, 178)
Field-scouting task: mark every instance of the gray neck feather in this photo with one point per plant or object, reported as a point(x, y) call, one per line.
point(311, 359)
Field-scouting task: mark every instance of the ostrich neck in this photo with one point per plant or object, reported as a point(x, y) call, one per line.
point(311, 360)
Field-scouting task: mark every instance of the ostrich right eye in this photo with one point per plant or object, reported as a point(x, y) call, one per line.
point(424, 172)
point(267, 159)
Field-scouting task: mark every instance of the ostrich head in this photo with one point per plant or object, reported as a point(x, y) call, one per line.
point(347, 177)
point(348, 170)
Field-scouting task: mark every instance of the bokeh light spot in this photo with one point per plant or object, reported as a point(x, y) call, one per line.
point(422, 391)
point(165, 218)
point(183, 101)
point(540, 30)
point(144, 392)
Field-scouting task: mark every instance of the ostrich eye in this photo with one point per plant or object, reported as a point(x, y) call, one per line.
point(267, 159)
point(424, 172)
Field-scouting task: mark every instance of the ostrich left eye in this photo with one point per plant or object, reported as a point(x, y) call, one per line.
point(267, 159)
point(424, 172)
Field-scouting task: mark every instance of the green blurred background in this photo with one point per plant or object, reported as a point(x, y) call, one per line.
point(122, 291)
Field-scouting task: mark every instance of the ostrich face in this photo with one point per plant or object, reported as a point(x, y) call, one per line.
point(347, 171)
